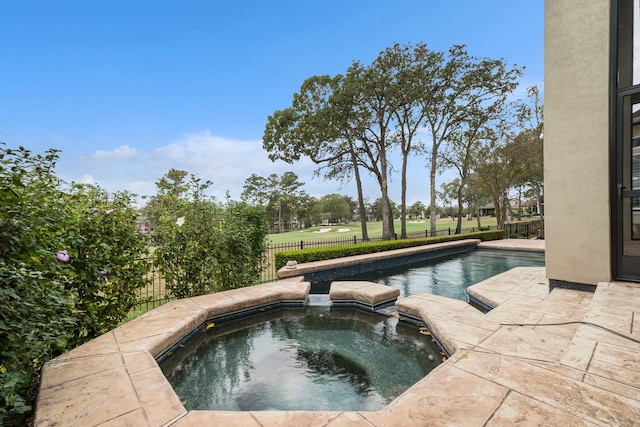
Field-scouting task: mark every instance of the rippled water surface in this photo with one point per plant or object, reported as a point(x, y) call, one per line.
point(451, 276)
point(315, 358)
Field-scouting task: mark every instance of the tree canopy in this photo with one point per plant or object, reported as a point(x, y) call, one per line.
point(351, 123)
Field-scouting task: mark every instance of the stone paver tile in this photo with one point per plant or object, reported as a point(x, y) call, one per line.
point(154, 344)
point(562, 325)
point(579, 353)
point(294, 418)
point(527, 343)
point(349, 419)
point(130, 419)
point(57, 372)
point(253, 297)
point(87, 401)
point(560, 308)
point(138, 361)
point(519, 410)
point(217, 418)
point(560, 369)
point(367, 292)
point(447, 396)
point(166, 318)
point(158, 332)
point(557, 325)
point(617, 320)
point(580, 399)
point(104, 344)
point(603, 336)
point(526, 300)
point(492, 298)
point(527, 244)
point(508, 313)
point(294, 291)
point(624, 376)
point(159, 401)
point(632, 392)
point(214, 304)
point(456, 335)
point(617, 356)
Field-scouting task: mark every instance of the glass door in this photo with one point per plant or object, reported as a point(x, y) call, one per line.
point(628, 185)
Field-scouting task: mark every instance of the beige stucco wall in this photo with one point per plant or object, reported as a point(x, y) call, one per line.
point(576, 140)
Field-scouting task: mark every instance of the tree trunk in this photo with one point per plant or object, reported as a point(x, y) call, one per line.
point(432, 189)
point(388, 232)
point(539, 202)
point(403, 207)
point(459, 224)
point(519, 203)
point(361, 206)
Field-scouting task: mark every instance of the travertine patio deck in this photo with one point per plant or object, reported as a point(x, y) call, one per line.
point(498, 374)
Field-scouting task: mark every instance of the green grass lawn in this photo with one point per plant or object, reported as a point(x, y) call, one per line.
point(374, 229)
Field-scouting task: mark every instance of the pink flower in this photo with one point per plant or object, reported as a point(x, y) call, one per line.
point(62, 256)
point(142, 228)
point(109, 211)
point(94, 210)
point(103, 272)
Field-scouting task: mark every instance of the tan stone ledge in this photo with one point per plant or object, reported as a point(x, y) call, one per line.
point(371, 294)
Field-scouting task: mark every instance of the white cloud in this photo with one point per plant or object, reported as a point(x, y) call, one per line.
point(124, 152)
point(225, 161)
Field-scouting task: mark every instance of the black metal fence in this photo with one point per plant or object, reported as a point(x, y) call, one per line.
point(524, 230)
point(156, 293)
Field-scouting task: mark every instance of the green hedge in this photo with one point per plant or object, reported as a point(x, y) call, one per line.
point(333, 252)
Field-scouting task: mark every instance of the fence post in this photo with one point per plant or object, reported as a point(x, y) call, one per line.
point(426, 233)
point(395, 235)
point(355, 240)
point(301, 244)
point(449, 231)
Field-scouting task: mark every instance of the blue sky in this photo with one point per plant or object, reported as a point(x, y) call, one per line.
point(129, 89)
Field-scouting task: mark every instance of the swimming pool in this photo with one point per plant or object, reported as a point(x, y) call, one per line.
point(447, 276)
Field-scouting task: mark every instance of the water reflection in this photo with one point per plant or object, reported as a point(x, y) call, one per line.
point(450, 276)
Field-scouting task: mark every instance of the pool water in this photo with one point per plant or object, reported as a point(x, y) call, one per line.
point(447, 276)
point(313, 358)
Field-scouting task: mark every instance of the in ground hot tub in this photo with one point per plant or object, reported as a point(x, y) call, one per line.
point(312, 359)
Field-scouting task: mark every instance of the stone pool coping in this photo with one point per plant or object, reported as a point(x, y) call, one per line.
point(361, 294)
point(498, 374)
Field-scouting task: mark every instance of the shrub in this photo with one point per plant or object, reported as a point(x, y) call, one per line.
point(107, 257)
point(204, 246)
point(68, 270)
point(333, 252)
point(37, 312)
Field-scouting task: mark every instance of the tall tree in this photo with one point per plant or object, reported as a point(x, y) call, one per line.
point(319, 125)
point(499, 167)
point(412, 71)
point(531, 119)
point(417, 210)
point(278, 194)
point(373, 93)
point(464, 143)
point(333, 208)
point(462, 83)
